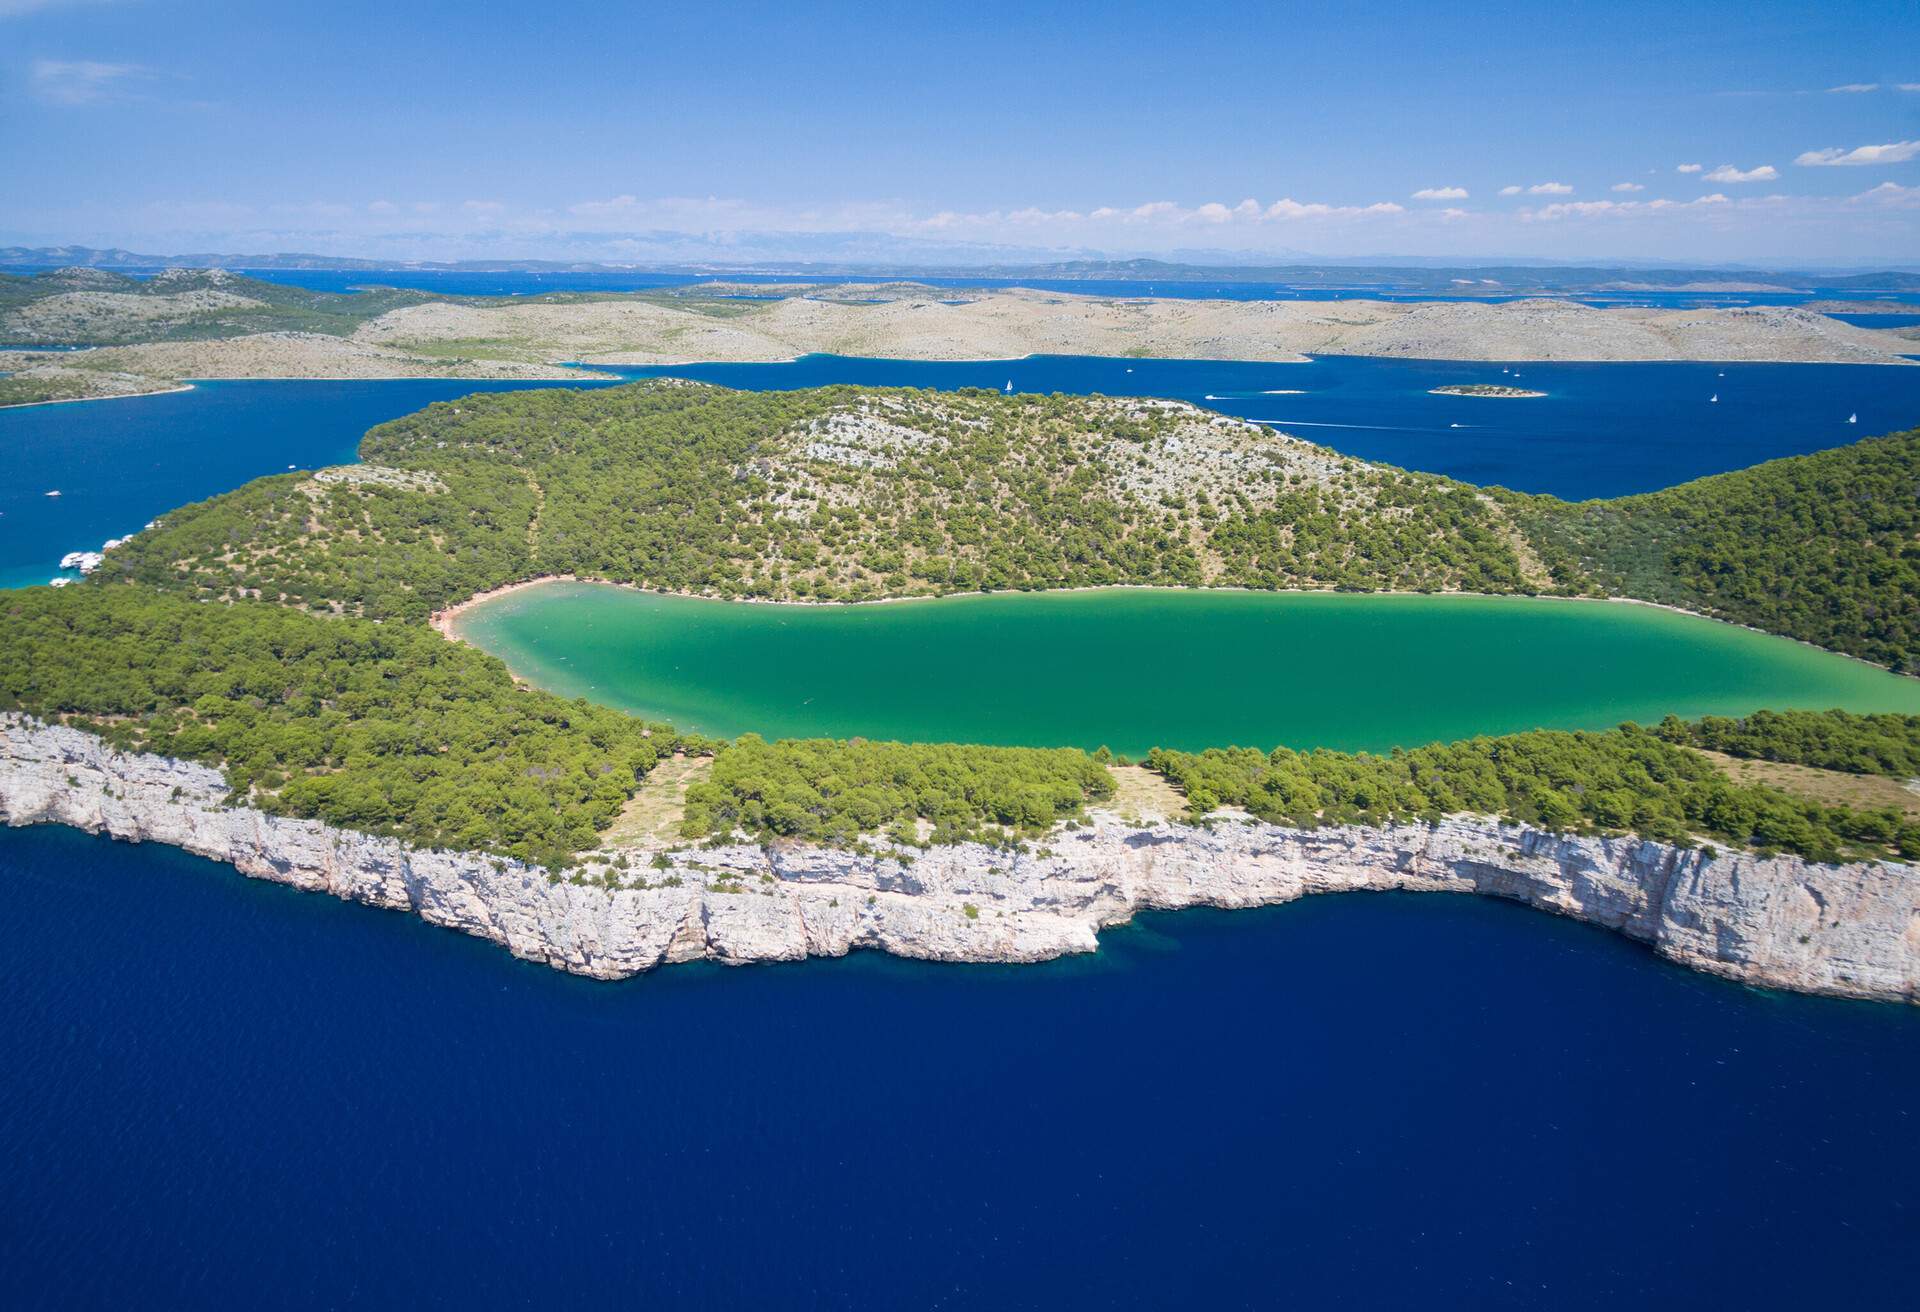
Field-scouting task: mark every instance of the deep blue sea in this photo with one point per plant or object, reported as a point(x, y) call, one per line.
point(223, 1093)
point(1602, 430)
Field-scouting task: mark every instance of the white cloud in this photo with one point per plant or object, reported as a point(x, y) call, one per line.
point(1728, 173)
point(79, 81)
point(1889, 193)
point(1589, 209)
point(1441, 193)
point(1853, 88)
point(1910, 86)
point(1894, 152)
point(1289, 208)
point(1688, 168)
point(1509, 191)
point(1626, 186)
point(1549, 189)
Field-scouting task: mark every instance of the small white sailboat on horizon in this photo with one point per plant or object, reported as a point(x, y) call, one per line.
point(1008, 389)
point(1714, 397)
point(1854, 418)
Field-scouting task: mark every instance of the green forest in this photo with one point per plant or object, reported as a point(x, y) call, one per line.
point(1625, 780)
point(278, 631)
point(387, 729)
point(1828, 740)
point(846, 493)
point(1824, 548)
point(390, 729)
point(836, 493)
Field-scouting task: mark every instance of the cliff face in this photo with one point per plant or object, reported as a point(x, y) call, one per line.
point(1852, 930)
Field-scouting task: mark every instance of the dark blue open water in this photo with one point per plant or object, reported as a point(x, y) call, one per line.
point(221, 1093)
point(1602, 430)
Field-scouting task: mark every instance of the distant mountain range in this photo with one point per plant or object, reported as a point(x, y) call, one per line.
point(1415, 275)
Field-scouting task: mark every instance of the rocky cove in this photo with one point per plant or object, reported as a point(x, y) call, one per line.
point(1778, 922)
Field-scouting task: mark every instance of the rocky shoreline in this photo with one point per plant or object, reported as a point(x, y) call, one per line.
point(1778, 922)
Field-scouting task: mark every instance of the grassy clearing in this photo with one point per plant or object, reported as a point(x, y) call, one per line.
point(1141, 797)
point(1864, 792)
point(652, 816)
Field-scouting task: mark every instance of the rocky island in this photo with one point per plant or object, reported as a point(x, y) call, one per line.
point(1482, 389)
point(146, 335)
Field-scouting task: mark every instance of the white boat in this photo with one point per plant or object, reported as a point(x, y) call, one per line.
point(1008, 389)
point(54, 493)
point(1853, 418)
point(1714, 397)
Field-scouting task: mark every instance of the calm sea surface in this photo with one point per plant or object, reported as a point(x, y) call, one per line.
point(223, 1093)
point(1602, 430)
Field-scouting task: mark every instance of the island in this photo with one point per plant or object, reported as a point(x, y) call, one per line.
point(150, 334)
point(258, 678)
point(1482, 389)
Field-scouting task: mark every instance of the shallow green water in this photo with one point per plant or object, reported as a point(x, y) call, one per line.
point(1139, 668)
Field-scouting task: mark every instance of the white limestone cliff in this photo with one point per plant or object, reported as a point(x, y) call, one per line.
point(1781, 922)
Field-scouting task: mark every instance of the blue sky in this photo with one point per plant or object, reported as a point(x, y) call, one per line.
point(428, 130)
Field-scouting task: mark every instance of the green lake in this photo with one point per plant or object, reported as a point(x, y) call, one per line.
point(1136, 668)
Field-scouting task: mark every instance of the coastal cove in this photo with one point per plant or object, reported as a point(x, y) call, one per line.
point(1136, 668)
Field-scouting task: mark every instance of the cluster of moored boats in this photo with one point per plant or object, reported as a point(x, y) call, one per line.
point(86, 562)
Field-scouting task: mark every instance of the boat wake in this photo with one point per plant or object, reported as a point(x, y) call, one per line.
point(1372, 428)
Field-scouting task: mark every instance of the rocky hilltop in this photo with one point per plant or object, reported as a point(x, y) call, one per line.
point(1849, 930)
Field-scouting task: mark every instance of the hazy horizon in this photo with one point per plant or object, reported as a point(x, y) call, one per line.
point(1755, 135)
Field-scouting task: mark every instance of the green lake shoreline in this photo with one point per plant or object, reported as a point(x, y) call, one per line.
point(1110, 666)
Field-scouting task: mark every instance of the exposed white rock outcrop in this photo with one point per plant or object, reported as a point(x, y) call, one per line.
point(1852, 930)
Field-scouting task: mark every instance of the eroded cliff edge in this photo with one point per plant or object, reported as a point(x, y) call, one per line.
point(1782, 922)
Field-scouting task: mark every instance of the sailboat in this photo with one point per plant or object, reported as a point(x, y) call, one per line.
point(1714, 397)
point(1008, 389)
point(1853, 418)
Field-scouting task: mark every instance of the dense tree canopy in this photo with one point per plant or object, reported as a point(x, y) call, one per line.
point(835, 791)
point(845, 493)
point(1628, 779)
point(837, 493)
point(1824, 548)
point(387, 729)
point(1828, 740)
